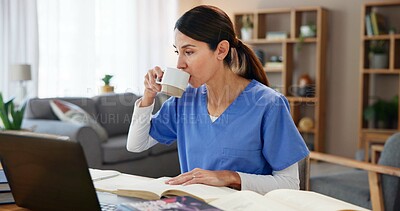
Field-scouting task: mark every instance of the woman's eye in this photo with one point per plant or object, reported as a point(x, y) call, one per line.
point(189, 53)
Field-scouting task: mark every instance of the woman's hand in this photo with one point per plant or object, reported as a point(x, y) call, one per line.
point(151, 87)
point(201, 176)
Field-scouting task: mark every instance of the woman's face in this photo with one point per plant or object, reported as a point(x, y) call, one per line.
point(196, 58)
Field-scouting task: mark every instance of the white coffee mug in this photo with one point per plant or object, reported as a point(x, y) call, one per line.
point(174, 82)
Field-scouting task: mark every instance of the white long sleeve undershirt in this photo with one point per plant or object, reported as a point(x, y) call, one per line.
point(140, 140)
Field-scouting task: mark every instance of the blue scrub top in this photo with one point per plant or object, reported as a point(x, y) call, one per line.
point(255, 134)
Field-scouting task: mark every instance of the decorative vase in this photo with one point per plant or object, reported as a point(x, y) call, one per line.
point(246, 34)
point(307, 31)
point(107, 89)
point(378, 61)
point(305, 86)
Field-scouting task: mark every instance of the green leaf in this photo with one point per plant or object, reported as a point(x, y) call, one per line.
point(4, 113)
point(10, 116)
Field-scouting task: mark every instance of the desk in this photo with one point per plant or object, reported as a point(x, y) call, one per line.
point(12, 207)
point(310, 198)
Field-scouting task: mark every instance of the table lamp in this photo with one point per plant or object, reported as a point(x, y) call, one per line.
point(21, 73)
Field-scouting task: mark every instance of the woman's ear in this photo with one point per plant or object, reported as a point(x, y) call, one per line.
point(222, 50)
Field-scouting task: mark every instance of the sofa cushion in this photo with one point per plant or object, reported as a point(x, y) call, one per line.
point(352, 185)
point(115, 112)
point(69, 112)
point(114, 151)
point(40, 108)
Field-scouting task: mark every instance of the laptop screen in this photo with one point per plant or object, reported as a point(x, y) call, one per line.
point(46, 173)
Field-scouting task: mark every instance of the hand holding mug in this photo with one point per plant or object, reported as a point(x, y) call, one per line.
point(150, 84)
point(173, 82)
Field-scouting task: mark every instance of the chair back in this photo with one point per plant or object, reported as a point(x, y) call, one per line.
point(390, 184)
point(304, 173)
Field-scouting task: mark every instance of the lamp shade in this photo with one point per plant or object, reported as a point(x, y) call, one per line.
point(21, 72)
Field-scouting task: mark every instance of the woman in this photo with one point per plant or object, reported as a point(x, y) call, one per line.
point(232, 130)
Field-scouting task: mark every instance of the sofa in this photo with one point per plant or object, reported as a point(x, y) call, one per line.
point(113, 112)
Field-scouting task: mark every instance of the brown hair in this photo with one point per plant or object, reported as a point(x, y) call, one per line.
point(211, 25)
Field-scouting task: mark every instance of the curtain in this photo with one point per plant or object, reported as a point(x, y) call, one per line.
point(18, 43)
point(82, 40)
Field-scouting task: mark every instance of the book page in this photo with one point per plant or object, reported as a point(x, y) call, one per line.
point(203, 192)
point(308, 200)
point(114, 183)
point(249, 200)
point(174, 203)
point(98, 174)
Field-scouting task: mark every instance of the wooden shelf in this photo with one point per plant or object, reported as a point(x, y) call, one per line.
point(381, 71)
point(379, 131)
point(273, 70)
point(280, 41)
point(302, 99)
point(290, 21)
point(306, 40)
point(306, 131)
point(382, 37)
point(382, 4)
point(378, 87)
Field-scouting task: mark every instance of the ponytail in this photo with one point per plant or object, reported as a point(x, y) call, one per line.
point(246, 64)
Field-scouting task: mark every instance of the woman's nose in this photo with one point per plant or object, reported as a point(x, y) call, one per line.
point(181, 63)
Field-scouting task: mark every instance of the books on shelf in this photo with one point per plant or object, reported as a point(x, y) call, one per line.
point(276, 35)
point(378, 23)
point(173, 203)
point(368, 25)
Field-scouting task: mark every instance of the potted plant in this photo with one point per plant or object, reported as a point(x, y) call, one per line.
point(378, 58)
point(11, 117)
point(309, 30)
point(247, 27)
point(107, 88)
point(383, 114)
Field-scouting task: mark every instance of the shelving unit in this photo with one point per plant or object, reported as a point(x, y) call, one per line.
point(382, 83)
point(309, 60)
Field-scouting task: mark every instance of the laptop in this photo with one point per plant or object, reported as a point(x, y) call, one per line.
point(50, 173)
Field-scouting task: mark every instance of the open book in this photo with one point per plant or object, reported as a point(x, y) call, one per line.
point(152, 189)
point(282, 199)
point(155, 189)
point(98, 174)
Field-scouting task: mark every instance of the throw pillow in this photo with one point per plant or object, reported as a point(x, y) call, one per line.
point(69, 112)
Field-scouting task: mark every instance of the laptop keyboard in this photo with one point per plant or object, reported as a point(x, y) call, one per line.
point(108, 207)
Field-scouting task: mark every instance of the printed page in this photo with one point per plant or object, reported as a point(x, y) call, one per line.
point(98, 174)
point(199, 191)
point(249, 200)
point(174, 203)
point(114, 183)
point(308, 200)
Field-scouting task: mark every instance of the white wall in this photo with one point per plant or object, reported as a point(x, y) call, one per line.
point(342, 63)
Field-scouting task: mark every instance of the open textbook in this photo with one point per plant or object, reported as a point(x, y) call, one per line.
point(156, 188)
point(152, 189)
point(281, 199)
point(98, 174)
point(220, 197)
